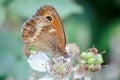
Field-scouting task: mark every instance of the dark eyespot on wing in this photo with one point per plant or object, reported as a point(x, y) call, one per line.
point(49, 18)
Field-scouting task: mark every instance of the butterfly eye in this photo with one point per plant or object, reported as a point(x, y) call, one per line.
point(49, 18)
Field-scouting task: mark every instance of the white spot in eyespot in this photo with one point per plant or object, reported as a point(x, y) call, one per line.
point(51, 30)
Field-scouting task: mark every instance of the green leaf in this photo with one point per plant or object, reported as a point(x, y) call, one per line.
point(77, 29)
point(110, 33)
point(20, 70)
point(10, 43)
point(6, 62)
point(13, 62)
point(32, 48)
point(27, 8)
point(2, 14)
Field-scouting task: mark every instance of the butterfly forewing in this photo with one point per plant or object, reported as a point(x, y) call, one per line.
point(44, 31)
point(49, 11)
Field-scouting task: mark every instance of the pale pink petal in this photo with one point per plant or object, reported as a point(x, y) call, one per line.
point(88, 76)
point(67, 48)
point(39, 62)
point(50, 78)
point(79, 72)
point(78, 75)
point(66, 78)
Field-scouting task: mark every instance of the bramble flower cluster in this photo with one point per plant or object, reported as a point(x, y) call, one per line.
point(61, 68)
point(92, 61)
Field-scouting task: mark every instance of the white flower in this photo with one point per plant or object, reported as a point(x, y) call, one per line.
point(67, 48)
point(39, 62)
point(60, 68)
point(88, 75)
point(81, 72)
point(72, 49)
point(50, 78)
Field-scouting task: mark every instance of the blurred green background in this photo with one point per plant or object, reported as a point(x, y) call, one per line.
point(86, 22)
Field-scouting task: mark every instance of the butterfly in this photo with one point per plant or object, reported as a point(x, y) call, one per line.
point(45, 32)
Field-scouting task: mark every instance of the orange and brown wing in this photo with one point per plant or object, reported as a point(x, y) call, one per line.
point(44, 31)
point(51, 14)
point(32, 29)
point(40, 33)
point(31, 33)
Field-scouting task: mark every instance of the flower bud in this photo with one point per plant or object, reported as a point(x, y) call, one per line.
point(100, 60)
point(91, 61)
point(32, 51)
point(99, 56)
point(32, 48)
point(89, 56)
point(83, 55)
point(91, 67)
point(82, 62)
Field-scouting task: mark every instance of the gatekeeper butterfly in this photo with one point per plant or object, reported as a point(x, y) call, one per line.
point(44, 31)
